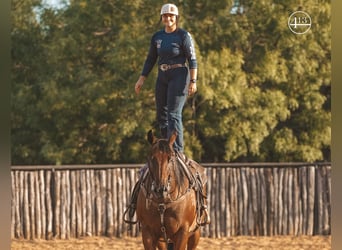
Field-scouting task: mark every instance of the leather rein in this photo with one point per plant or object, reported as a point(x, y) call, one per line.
point(155, 193)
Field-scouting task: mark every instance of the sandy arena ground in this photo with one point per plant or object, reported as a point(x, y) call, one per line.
point(236, 243)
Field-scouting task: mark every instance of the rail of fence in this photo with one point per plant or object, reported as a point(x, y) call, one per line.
point(244, 199)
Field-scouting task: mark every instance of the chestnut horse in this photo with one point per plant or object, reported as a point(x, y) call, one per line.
point(166, 205)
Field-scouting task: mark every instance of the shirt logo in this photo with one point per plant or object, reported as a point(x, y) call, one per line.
point(159, 43)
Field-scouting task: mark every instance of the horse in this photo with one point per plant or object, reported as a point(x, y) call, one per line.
point(166, 206)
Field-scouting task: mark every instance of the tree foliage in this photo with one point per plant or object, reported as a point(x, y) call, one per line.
point(264, 92)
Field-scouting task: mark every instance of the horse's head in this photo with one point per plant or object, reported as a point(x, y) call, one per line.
point(160, 162)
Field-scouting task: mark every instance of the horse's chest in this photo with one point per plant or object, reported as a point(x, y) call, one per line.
point(171, 215)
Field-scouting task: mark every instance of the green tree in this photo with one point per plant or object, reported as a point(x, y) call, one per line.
point(266, 89)
point(264, 92)
point(27, 71)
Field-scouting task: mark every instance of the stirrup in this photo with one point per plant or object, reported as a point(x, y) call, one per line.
point(206, 216)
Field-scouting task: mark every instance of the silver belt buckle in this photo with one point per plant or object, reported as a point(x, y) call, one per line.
point(164, 67)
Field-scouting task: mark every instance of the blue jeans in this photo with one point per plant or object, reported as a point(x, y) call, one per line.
point(171, 92)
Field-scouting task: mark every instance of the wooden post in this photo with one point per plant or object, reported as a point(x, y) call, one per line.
point(97, 205)
point(270, 201)
point(212, 205)
point(226, 202)
point(295, 201)
point(207, 228)
point(327, 201)
point(41, 181)
point(109, 203)
point(115, 202)
point(13, 205)
point(286, 202)
point(38, 206)
point(222, 205)
point(120, 199)
point(244, 201)
point(79, 209)
point(49, 205)
point(67, 207)
point(319, 203)
point(57, 188)
point(290, 201)
point(73, 204)
point(18, 197)
point(215, 203)
point(305, 198)
point(234, 206)
point(311, 200)
point(254, 203)
point(89, 211)
point(27, 224)
point(281, 203)
point(276, 200)
point(83, 203)
point(103, 187)
point(62, 205)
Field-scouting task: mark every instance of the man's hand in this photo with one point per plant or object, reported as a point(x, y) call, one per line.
point(139, 84)
point(192, 88)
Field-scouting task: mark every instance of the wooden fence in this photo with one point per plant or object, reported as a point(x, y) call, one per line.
point(245, 199)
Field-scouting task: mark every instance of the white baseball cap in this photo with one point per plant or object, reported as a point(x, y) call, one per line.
point(169, 8)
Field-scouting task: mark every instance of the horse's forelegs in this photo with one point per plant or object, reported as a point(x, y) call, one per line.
point(162, 245)
point(150, 243)
point(181, 240)
point(194, 239)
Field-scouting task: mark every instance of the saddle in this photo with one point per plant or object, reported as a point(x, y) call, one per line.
point(198, 180)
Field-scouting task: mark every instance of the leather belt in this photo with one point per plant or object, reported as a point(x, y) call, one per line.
point(164, 67)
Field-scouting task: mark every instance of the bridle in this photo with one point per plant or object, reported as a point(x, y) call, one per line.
point(158, 188)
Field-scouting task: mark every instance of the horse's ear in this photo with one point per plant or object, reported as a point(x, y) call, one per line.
point(151, 138)
point(172, 138)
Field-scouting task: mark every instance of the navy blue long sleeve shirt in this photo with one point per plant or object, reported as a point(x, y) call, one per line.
point(171, 48)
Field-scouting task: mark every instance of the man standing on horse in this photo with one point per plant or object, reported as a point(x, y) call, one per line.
point(174, 51)
point(172, 47)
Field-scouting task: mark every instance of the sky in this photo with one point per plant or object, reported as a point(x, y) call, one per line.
point(55, 3)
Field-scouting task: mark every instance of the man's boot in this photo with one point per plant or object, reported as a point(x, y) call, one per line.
point(134, 197)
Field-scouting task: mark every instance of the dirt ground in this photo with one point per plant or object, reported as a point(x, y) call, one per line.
point(236, 243)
